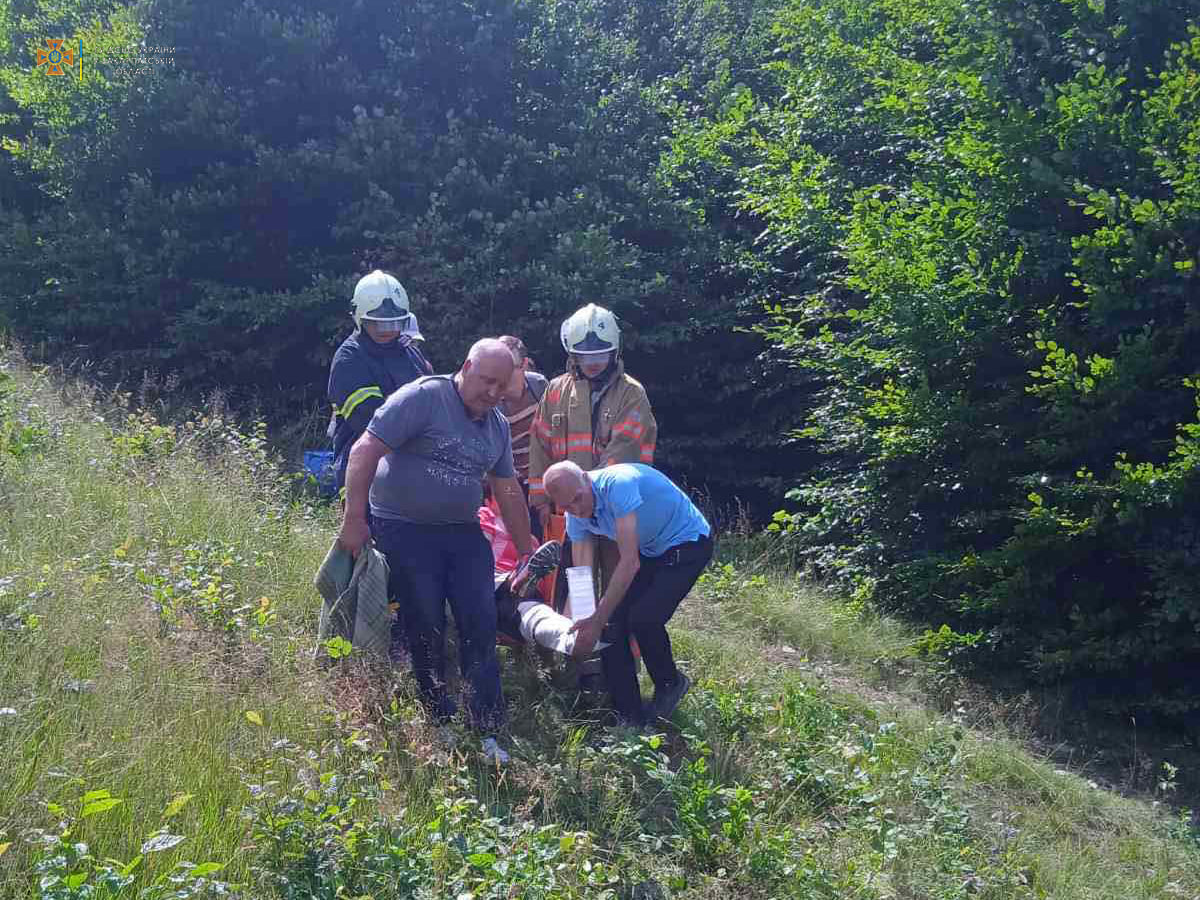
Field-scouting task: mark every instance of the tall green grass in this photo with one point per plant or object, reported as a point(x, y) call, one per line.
point(167, 733)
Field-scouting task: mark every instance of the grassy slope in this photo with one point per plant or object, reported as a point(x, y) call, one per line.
point(774, 781)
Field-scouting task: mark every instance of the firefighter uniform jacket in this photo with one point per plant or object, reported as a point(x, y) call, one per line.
point(619, 429)
point(361, 376)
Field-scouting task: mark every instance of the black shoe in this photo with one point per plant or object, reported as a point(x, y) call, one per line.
point(666, 701)
point(591, 675)
point(540, 564)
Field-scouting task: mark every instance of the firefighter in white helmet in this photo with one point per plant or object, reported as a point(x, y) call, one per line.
point(595, 416)
point(380, 356)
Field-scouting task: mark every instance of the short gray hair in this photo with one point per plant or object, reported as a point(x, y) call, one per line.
point(516, 345)
point(488, 347)
point(564, 471)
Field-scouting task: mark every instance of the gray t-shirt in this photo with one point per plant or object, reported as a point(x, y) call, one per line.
point(440, 455)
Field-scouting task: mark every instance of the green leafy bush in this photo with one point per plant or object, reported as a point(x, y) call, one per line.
point(984, 225)
point(66, 868)
point(24, 428)
point(324, 835)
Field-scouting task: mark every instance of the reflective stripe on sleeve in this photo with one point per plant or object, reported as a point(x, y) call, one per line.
point(632, 430)
point(358, 397)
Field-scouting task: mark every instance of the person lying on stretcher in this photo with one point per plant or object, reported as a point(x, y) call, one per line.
point(522, 612)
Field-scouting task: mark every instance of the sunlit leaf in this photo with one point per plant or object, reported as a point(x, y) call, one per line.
point(176, 804)
point(98, 806)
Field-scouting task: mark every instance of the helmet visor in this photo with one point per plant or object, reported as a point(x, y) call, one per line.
point(592, 343)
point(387, 311)
point(386, 326)
point(592, 364)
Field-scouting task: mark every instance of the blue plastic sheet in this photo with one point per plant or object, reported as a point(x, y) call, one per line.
point(319, 463)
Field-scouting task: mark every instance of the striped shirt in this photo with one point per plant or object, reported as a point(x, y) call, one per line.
point(520, 421)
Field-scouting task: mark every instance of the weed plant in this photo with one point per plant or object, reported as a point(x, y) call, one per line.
point(166, 733)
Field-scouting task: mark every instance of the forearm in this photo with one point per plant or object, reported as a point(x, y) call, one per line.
point(515, 513)
point(539, 460)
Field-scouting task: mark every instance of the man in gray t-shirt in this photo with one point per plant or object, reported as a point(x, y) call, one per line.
point(421, 463)
point(434, 474)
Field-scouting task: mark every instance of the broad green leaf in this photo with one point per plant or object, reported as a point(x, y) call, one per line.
point(254, 717)
point(98, 806)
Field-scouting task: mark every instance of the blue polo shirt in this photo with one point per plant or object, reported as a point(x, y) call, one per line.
point(665, 515)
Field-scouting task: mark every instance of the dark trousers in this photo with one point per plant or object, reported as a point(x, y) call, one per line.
point(399, 643)
point(535, 521)
point(657, 589)
point(431, 564)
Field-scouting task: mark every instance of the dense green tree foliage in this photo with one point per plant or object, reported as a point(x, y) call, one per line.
point(984, 218)
point(208, 216)
point(946, 249)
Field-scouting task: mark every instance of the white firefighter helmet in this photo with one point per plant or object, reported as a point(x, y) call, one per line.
point(592, 329)
point(378, 297)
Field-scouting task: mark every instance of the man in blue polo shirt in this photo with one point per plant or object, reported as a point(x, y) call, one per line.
point(664, 544)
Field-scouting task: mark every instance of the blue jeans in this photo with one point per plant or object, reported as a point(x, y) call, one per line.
point(432, 564)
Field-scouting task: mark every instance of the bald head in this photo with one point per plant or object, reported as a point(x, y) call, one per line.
point(484, 375)
point(563, 477)
point(569, 487)
point(489, 349)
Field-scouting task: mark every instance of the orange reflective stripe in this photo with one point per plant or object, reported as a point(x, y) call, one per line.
point(577, 441)
point(647, 453)
point(629, 429)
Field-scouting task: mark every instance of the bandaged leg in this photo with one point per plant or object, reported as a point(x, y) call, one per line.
point(546, 628)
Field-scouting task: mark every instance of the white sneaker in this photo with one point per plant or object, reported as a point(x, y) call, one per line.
point(494, 753)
